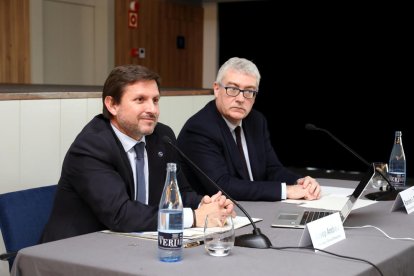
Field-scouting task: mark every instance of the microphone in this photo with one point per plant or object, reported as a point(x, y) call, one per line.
point(389, 194)
point(254, 240)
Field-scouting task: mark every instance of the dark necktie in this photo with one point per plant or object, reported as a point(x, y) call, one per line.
point(240, 147)
point(140, 176)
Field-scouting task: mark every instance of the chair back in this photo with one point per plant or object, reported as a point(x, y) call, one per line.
point(23, 215)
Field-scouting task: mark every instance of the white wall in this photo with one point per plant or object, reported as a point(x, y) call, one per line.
point(37, 133)
point(76, 36)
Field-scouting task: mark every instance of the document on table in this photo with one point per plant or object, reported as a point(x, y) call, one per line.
point(332, 198)
point(333, 202)
point(190, 234)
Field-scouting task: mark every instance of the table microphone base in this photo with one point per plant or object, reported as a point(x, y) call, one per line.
point(383, 196)
point(253, 240)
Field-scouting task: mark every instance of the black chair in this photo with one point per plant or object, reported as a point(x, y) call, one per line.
point(23, 215)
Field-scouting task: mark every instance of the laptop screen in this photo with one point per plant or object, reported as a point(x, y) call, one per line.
point(357, 193)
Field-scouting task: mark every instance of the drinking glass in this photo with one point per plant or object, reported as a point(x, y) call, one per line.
point(218, 234)
point(377, 179)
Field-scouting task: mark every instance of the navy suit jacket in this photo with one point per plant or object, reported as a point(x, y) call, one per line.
point(96, 188)
point(208, 142)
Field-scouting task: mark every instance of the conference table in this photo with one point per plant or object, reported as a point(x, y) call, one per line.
point(112, 254)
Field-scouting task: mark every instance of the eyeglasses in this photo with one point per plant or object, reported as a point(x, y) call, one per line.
point(234, 92)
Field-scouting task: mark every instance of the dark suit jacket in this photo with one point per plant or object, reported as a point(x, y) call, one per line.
point(95, 191)
point(208, 142)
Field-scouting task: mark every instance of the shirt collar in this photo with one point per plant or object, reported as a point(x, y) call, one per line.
point(230, 125)
point(127, 142)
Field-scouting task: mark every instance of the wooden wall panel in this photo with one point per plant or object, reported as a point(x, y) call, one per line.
point(183, 67)
point(14, 41)
point(159, 24)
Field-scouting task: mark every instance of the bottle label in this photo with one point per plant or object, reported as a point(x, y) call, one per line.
point(170, 240)
point(397, 179)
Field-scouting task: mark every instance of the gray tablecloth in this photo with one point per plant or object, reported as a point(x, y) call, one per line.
point(111, 254)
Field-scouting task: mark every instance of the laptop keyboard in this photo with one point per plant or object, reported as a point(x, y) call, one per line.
point(309, 216)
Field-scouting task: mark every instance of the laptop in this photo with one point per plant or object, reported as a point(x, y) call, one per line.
point(299, 218)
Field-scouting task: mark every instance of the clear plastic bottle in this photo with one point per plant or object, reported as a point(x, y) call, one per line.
point(170, 219)
point(397, 164)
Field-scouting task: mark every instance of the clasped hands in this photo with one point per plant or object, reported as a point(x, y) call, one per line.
point(307, 188)
point(216, 203)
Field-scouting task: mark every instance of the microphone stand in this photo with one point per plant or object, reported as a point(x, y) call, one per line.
point(390, 193)
point(254, 240)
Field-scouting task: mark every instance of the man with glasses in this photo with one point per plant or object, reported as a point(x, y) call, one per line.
point(230, 142)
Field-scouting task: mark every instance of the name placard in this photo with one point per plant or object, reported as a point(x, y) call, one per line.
point(323, 232)
point(404, 198)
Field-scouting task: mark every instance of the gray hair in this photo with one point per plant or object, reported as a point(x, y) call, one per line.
point(241, 65)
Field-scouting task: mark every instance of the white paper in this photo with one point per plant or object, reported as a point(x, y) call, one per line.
point(336, 191)
point(335, 203)
point(189, 235)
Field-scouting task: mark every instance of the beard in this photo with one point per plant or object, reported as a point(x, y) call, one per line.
point(137, 129)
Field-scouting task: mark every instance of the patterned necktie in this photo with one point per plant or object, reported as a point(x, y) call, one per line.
point(240, 147)
point(140, 177)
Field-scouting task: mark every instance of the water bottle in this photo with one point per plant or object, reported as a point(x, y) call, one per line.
point(170, 219)
point(396, 167)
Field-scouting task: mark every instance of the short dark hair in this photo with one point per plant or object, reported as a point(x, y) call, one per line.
point(122, 76)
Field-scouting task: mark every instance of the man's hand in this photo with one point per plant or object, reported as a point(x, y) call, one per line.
point(307, 188)
point(215, 203)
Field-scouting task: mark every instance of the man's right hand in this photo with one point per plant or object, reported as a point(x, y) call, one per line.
point(215, 203)
point(307, 188)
